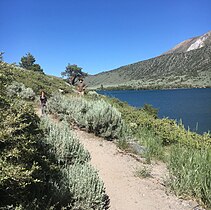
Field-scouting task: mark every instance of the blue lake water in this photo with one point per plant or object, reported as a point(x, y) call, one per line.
point(192, 106)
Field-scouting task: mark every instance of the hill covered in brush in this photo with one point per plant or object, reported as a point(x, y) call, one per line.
point(32, 79)
point(43, 165)
point(186, 65)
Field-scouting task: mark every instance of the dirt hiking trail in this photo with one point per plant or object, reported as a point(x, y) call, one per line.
point(126, 190)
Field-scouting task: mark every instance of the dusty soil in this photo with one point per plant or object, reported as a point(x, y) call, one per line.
point(126, 190)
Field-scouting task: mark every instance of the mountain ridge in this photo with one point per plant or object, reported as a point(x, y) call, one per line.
point(192, 43)
point(180, 68)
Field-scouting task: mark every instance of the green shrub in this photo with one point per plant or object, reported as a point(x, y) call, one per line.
point(29, 172)
point(27, 94)
point(150, 110)
point(153, 144)
point(172, 133)
point(191, 172)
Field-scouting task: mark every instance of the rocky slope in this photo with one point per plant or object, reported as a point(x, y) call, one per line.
point(192, 44)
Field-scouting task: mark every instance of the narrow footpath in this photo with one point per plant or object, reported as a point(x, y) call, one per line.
point(126, 190)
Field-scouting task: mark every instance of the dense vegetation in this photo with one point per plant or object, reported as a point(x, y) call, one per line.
point(43, 166)
point(47, 160)
point(176, 70)
point(44, 171)
point(26, 165)
point(24, 159)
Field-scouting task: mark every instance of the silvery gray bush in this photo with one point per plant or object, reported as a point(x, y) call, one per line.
point(27, 93)
point(14, 89)
point(19, 90)
point(79, 178)
point(85, 185)
point(96, 116)
point(64, 144)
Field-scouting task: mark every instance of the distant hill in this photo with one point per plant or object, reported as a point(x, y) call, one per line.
point(186, 65)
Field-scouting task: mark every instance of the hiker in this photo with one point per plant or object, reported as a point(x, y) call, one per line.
point(43, 102)
point(81, 87)
point(72, 80)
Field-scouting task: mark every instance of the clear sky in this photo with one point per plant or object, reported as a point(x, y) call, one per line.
point(97, 35)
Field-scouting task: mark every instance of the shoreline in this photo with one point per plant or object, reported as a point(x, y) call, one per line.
point(180, 88)
point(145, 88)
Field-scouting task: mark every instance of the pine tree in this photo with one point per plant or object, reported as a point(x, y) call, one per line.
point(28, 62)
point(73, 72)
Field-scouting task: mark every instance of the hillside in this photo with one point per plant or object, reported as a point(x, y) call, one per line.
point(43, 165)
point(35, 80)
point(46, 158)
point(173, 70)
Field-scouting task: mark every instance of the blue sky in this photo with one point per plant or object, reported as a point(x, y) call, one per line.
point(97, 35)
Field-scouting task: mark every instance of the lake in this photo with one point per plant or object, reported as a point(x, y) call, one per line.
point(192, 106)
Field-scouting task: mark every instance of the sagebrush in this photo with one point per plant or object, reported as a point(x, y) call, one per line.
point(97, 116)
